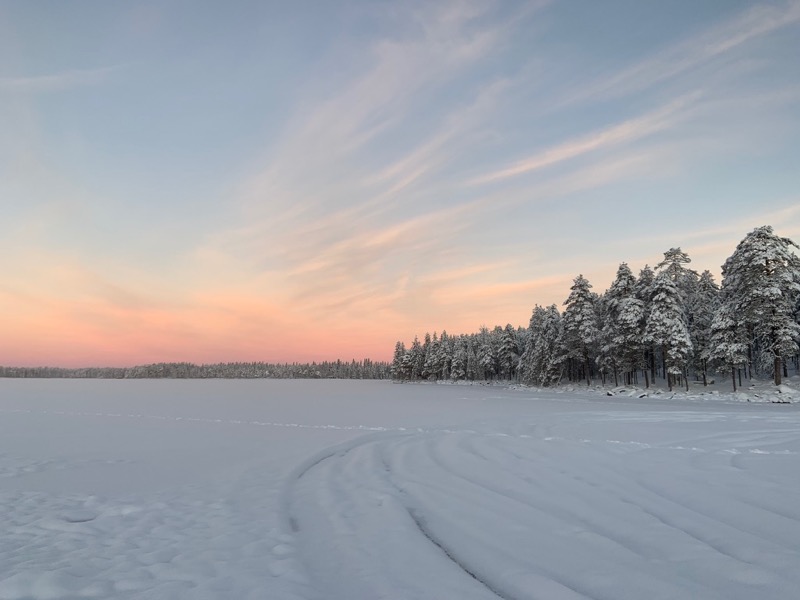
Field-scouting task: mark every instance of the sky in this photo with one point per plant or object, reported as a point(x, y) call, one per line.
point(306, 181)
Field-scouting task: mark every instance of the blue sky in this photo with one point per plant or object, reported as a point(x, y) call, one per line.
point(310, 180)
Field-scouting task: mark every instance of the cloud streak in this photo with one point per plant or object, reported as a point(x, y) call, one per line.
point(631, 130)
point(56, 82)
point(685, 56)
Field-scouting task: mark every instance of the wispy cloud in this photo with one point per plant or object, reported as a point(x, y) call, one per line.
point(627, 131)
point(331, 224)
point(320, 145)
point(55, 81)
point(696, 51)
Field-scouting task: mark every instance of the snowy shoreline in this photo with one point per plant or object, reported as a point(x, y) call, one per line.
point(753, 391)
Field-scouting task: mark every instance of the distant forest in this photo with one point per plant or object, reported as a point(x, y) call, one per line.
point(670, 322)
point(365, 369)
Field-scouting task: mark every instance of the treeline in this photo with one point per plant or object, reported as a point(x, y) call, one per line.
point(365, 369)
point(669, 322)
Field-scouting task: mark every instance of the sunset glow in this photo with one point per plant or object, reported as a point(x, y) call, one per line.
point(259, 181)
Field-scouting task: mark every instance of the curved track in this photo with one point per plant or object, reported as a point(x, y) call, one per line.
point(463, 514)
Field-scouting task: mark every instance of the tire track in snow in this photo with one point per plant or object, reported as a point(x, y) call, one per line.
point(358, 536)
point(420, 523)
point(331, 497)
point(515, 513)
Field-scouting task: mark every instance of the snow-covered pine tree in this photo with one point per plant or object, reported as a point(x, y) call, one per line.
point(553, 347)
point(581, 333)
point(727, 349)
point(644, 292)
point(433, 359)
point(473, 366)
point(508, 354)
point(644, 284)
point(674, 263)
point(666, 328)
point(426, 349)
point(610, 354)
point(486, 354)
point(417, 358)
point(629, 338)
point(458, 369)
point(397, 360)
point(761, 283)
point(540, 363)
point(704, 304)
point(446, 348)
point(407, 366)
point(527, 369)
point(685, 279)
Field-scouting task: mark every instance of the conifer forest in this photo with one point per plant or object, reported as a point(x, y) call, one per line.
point(668, 322)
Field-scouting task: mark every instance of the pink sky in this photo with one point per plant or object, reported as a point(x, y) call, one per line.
point(264, 185)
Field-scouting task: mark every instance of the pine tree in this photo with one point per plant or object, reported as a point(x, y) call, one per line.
point(685, 280)
point(727, 348)
point(540, 363)
point(674, 265)
point(761, 282)
point(446, 351)
point(433, 359)
point(397, 360)
point(508, 353)
point(426, 350)
point(644, 292)
point(486, 354)
point(610, 357)
point(458, 369)
point(704, 304)
point(417, 355)
point(629, 336)
point(666, 327)
point(580, 325)
point(473, 367)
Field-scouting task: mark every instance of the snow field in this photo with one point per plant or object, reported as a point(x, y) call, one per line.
point(350, 490)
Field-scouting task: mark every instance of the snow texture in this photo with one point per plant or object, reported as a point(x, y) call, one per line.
point(349, 490)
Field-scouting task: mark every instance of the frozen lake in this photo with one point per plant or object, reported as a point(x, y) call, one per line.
point(360, 489)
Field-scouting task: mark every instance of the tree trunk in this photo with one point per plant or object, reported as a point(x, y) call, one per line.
point(777, 369)
point(705, 379)
point(646, 379)
point(733, 377)
point(652, 357)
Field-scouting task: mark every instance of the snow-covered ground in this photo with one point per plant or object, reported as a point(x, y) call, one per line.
point(361, 490)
